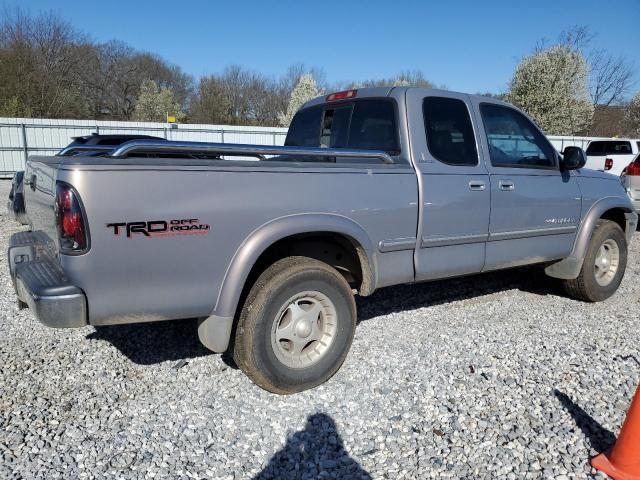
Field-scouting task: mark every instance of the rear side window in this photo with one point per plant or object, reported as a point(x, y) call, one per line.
point(305, 128)
point(609, 147)
point(363, 124)
point(373, 126)
point(513, 139)
point(449, 131)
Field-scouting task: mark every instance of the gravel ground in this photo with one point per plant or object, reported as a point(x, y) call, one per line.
point(492, 376)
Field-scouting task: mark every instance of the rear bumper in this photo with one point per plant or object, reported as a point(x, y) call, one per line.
point(42, 285)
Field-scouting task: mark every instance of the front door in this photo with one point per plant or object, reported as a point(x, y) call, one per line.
point(535, 208)
point(454, 186)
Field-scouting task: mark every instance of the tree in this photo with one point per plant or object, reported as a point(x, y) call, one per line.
point(210, 103)
point(114, 73)
point(632, 114)
point(39, 62)
point(305, 90)
point(552, 86)
point(413, 78)
point(611, 76)
point(154, 103)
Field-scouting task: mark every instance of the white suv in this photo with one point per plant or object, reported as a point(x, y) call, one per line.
point(611, 156)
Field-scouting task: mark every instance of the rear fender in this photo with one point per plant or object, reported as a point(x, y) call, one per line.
point(215, 331)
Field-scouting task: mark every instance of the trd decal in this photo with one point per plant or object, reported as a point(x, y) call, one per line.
point(160, 228)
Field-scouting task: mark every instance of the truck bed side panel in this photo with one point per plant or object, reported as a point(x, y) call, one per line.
point(142, 278)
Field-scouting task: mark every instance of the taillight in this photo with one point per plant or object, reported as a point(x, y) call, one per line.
point(342, 95)
point(72, 231)
point(632, 170)
point(608, 164)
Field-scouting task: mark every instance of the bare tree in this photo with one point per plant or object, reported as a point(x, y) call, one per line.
point(210, 103)
point(114, 73)
point(611, 76)
point(39, 61)
point(409, 77)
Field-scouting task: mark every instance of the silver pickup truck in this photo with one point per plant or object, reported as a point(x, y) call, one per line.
point(268, 245)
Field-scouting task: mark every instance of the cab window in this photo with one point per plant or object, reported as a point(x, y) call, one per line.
point(368, 124)
point(449, 131)
point(609, 147)
point(513, 140)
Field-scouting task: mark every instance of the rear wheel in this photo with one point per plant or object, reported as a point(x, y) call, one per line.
point(296, 327)
point(604, 264)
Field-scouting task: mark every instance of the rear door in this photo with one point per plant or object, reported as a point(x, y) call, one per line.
point(453, 183)
point(535, 208)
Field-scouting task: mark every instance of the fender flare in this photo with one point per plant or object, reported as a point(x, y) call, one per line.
point(569, 268)
point(215, 330)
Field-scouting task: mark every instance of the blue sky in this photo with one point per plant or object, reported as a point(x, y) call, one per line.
point(471, 46)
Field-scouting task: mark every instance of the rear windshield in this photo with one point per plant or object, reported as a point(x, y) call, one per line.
point(609, 147)
point(364, 124)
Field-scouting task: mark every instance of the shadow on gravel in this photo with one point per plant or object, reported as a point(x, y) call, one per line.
point(314, 452)
point(599, 437)
point(154, 342)
point(409, 297)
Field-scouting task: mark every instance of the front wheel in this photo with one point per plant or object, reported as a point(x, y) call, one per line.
point(296, 327)
point(604, 264)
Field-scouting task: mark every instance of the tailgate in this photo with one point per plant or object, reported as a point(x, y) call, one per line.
point(595, 162)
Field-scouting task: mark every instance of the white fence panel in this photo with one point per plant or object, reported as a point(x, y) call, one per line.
point(20, 137)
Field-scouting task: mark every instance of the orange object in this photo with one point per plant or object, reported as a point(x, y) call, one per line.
point(622, 462)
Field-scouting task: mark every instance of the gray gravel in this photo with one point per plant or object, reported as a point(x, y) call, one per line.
point(492, 376)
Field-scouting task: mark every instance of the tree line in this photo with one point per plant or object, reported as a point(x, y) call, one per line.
point(50, 69)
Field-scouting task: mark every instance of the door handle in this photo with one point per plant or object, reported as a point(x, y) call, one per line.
point(506, 185)
point(476, 185)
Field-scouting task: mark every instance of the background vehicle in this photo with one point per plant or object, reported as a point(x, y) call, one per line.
point(15, 204)
point(93, 144)
point(631, 181)
point(611, 156)
point(374, 187)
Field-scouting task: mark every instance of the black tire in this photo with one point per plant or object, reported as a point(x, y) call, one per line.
point(254, 351)
point(585, 287)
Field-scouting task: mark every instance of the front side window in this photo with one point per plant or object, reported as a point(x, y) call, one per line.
point(368, 124)
point(449, 131)
point(513, 140)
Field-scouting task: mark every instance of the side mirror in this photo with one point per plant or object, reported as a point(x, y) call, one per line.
point(573, 158)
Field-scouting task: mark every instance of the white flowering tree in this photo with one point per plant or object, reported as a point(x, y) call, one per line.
point(154, 103)
point(632, 115)
point(305, 90)
point(552, 86)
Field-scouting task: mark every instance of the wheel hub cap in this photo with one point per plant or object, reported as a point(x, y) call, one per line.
point(304, 329)
point(606, 262)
